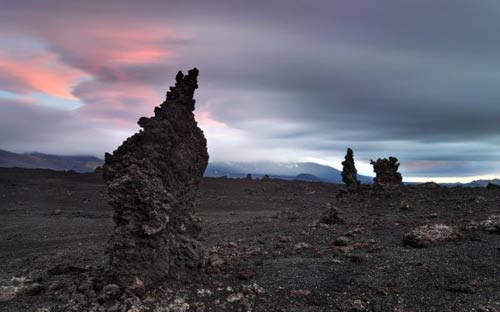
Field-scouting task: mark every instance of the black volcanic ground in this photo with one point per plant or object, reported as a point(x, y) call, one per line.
point(266, 251)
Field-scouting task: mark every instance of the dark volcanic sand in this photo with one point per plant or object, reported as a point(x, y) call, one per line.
point(264, 229)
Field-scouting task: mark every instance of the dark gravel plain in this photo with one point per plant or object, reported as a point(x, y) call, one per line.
point(266, 250)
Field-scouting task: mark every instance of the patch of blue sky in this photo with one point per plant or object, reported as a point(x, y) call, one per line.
point(43, 99)
point(6, 95)
point(56, 102)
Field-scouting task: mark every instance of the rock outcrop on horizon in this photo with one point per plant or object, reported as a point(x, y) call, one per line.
point(152, 180)
point(386, 171)
point(349, 172)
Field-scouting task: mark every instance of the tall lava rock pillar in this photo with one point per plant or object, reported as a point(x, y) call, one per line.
point(152, 180)
point(349, 172)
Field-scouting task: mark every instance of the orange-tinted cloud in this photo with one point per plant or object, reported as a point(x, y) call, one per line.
point(107, 46)
point(139, 55)
point(41, 73)
point(417, 165)
point(116, 70)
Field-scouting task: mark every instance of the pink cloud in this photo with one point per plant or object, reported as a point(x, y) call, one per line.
point(40, 73)
point(417, 165)
point(108, 46)
point(117, 69)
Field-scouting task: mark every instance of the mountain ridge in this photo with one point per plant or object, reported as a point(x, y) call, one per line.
point(37, 160)
point(304, 171)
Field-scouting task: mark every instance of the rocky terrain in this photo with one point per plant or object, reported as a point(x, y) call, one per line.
point(270, 246)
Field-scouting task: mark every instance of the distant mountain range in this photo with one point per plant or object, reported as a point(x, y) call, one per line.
point(475, 183)
point(302, 171)
point(483, 183)
point(45, 161)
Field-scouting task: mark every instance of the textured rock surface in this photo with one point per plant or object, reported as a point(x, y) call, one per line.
point(429, 235)
point(331, 216)
point(349, 172)
point(249, 225)
point(386, 171)
point(491, 224)
point(152, 180)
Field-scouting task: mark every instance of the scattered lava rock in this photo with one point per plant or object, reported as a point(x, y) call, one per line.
point(491, 224)
point(300, 293)
point(110, 292)
point(303, 246)
point(331, 216)
point(61, 269)
point(371, 273)
point(266, 178)
point(33, 289)
point(404, 205)
point(7, 293)
point(478, 199)
point(341, 241)
point(463, 288)
point(57, 212)
point(429, 235)
point(355, 305)
point(137, 288)
point(152, 180)
point(492, 186)
point(246, 274)
point(386, 171)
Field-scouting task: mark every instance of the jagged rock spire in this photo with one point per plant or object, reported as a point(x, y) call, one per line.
point(386, 171)
point(152, 180)
point(349, 172)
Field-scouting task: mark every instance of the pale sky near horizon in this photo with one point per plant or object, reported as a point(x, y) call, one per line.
point(279, 80)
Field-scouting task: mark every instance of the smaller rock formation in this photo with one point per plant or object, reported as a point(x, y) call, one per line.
point(429, 235)
point(386, 171)
point(349, 172)
point(98, 170)
point(266, 178)
point(430, 185)
point(249, 177)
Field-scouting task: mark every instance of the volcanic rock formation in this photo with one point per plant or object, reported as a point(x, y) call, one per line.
point(386, 171)
point(266, 178)
point(152, 180)
point(349, 172)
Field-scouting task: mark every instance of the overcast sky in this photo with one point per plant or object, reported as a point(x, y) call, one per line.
point(279, 80)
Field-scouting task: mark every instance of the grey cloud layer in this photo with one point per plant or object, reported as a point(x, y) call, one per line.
point(417, 79)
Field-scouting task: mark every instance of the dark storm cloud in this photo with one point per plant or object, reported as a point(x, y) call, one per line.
point(417, 79)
